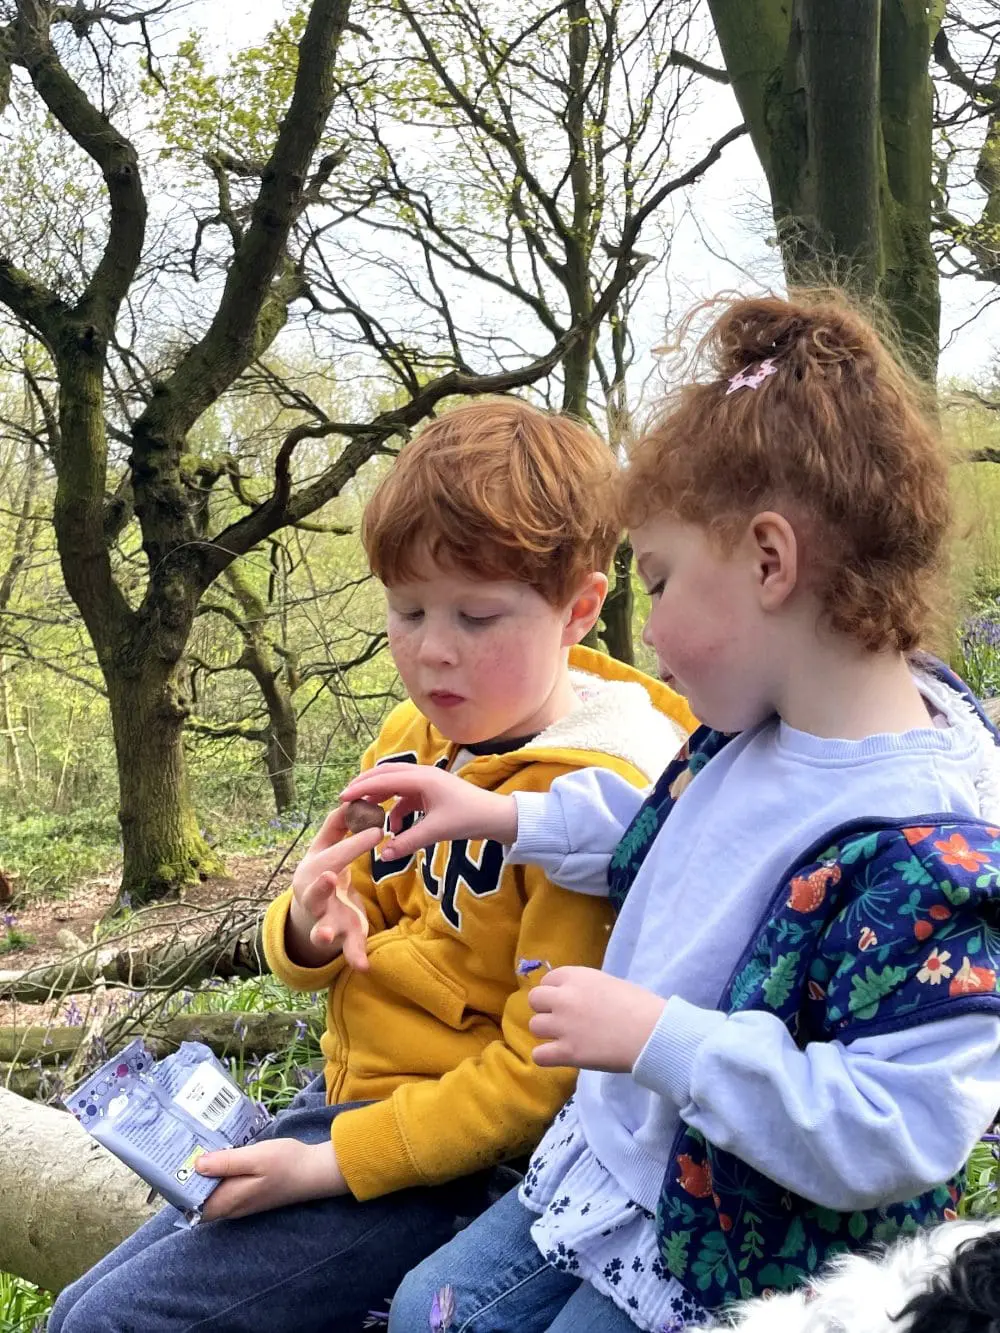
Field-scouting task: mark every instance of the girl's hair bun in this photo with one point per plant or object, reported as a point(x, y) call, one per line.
point(806, 330)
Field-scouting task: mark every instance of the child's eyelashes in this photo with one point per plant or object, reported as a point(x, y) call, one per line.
point(655, 589)
point(473, 622)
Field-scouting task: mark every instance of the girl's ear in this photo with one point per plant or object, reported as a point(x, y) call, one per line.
point(582, 612)
point(774, 551)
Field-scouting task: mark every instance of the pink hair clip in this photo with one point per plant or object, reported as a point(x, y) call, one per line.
point(751, 377)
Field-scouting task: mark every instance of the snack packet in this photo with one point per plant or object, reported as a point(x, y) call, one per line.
point(158, 1117)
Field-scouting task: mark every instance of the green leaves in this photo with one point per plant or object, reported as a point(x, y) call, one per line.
point(778, 985)
point(235, 110)
point(868, 991)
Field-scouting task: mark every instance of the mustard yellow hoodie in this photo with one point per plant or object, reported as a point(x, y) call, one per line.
point(436, 1035)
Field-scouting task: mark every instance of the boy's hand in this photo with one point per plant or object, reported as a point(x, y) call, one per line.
point(327, 916)
point(269, 1175)
point(591, 1020)
point(452, 808)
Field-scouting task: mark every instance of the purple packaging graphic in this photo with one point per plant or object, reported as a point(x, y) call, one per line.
point(160, 1116)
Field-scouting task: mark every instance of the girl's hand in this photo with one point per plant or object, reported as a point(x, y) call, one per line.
point(591, 1020)
point(452, 808)
point(269, 1175)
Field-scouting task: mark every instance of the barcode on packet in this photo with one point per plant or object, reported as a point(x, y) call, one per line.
point(208, 1096)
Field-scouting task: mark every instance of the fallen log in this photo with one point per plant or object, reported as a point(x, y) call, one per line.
point(26, 1080)
point(64, 1200)
point(179, 962)
point(225, 1033)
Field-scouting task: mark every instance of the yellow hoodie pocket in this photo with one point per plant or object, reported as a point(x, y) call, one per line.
point(432, 990)
point(400, 967)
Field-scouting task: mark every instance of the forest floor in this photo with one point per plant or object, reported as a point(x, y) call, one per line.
point(85, 911)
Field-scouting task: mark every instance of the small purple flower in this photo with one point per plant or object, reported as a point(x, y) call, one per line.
point(125, 900)
point(442, 1310)
point(9, 920)
point(240, 1028)
point(73, 1017)
point(525, 966)
point(301, 1028)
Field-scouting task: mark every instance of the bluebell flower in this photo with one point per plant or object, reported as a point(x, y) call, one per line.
point(442, 1310)
point(525, 966)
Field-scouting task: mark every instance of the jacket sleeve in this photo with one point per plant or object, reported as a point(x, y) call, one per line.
point(571, 830)
point(494, 1106)
point(848, 1127)
point(273, 932)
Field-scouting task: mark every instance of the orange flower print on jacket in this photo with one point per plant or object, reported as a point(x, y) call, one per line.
point(969, 980)
point(957, 852)
point(917, 834)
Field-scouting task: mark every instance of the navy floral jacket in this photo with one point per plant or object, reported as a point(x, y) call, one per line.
point(879, 926)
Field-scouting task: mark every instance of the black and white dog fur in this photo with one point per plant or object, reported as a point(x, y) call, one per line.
point(946, 1280)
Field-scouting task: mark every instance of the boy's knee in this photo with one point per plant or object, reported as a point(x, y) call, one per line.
point(64, 1303)
point(85, 1315)
point(411, 1306)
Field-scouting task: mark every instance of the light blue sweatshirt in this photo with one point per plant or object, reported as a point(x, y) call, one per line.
point(880, 1120)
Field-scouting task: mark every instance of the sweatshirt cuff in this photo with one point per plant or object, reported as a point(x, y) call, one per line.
point(371, 1151)
point(541, 829)
point(292, 974)
point(666, 1061)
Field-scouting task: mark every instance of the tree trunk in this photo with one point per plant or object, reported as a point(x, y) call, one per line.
point(282, 745)
point(65, 1202)
point(617, 612)
point(10, 730)
point(137, 650)
point(161, 844)
point(911, 283)
point(840, 49)
point(276, 677)
point(838, 101)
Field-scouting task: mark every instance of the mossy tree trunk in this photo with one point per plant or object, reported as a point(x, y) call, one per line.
point(838, 100)
point(161, 842)
point(139, 650)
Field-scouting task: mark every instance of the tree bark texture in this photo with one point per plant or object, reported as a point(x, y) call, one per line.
point(616, 615)
point(64, 1200)
point(838, 101)
point(227, 1033)
point(162, 846)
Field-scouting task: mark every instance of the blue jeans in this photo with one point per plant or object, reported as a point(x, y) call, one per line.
point(320, 1265)
point(501, 1284)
